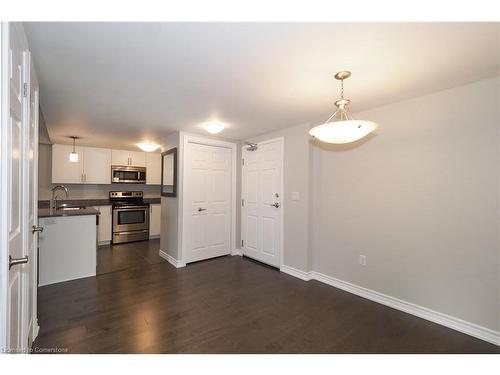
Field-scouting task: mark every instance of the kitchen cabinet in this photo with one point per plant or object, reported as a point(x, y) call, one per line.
point(124, 157)
point(137, 158)
point(154, 220)
point(66, 248)
point(153, 168)
point(93, 165)
point(96, 165)
point(64, 171)
point(104, 230)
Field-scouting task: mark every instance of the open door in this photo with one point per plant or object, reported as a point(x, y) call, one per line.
point(17, 186)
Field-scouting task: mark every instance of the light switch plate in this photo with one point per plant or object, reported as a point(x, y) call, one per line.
point(295, 196)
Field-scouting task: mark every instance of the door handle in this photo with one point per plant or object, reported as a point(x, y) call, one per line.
point(36, 229)
point(201, 209)
point(275, 204)
point(14, 261)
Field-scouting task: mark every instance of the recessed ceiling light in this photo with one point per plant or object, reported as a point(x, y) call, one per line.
point(213, 127)
point(148, 147)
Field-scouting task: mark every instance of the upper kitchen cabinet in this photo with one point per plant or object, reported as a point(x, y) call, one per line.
point(96, 165)
point(63, 170)
point(153, 168)
point(138, 158)
point(133, 158)
point(93, 165)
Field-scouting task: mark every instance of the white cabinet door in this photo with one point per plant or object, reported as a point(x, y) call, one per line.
point(64, 171)
point(104, 230)
point(96, 165)
point(153, 168)
point(154, 220)
point(120, 157)
point(138, 158)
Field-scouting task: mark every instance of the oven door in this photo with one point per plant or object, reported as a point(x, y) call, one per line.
point(128, 175)
point(126, 219)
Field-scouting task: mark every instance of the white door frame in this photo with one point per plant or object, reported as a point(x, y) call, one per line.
point(282, 188)
point(185, 139)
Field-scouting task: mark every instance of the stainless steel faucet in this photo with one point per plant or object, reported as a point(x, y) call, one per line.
point(53, 201)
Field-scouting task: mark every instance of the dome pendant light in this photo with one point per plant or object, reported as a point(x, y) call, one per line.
point(343, 129)
point(73, 156)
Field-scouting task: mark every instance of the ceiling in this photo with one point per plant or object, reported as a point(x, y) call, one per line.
point(116, 84)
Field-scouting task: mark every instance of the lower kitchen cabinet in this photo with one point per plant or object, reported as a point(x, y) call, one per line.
point(154, 220)
point(104, 230)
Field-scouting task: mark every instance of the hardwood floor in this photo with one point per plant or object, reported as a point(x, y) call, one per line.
point(225, 305)
point(111, 258)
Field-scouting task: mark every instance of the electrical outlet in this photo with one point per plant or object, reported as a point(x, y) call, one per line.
point(362, 260)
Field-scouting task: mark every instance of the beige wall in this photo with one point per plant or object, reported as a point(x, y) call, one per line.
point(420, 200)
point(81, 191)
point(297, 220)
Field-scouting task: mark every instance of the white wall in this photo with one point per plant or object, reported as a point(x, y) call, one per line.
point(420, 200)
point(296, 246)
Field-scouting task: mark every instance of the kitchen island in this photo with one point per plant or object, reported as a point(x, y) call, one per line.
point(67, 247)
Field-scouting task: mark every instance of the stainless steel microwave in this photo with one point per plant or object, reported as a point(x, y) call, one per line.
point(128, 175)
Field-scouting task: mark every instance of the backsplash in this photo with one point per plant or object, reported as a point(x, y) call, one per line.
point(80, 191)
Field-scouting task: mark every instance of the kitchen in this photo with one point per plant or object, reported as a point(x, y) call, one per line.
point(91, 203)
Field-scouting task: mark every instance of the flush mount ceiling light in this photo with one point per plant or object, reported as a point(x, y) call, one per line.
point(147, 146)
point(213, 127)
point(73, 156)
point(341, 127)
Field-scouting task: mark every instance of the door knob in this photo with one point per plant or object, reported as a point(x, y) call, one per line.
point(36, 229)
point(201, 209)
point(275, 204)
point(14, 261)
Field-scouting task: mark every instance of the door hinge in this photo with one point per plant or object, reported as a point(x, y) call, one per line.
point(242, 202)
point(25, 89)
point(241, 243)
point(243, 162)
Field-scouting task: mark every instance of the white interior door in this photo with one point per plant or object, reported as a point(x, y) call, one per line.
point(207, 200)
point(17, 223)
point(261, 202)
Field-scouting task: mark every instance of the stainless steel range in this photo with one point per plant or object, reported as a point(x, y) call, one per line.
point(130, 216)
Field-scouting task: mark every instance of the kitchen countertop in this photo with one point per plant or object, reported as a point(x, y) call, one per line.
point(91, 202)
point(47, 212)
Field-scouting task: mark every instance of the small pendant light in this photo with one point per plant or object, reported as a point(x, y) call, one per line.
point(345, 128)
point(73, 157)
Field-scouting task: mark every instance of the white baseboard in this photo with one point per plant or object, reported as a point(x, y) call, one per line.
point(36, 330)
point(457, 324)
point(155, 236)
point(237, 252)
point(306, 276)
point(170, 259)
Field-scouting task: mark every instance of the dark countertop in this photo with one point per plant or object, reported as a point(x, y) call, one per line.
point(46, 212)
point(91, 202)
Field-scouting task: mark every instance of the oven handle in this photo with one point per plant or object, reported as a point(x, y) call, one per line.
point(135, 208)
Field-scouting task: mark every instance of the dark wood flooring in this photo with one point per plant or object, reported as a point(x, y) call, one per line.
point(111, 258)
point(225, 305)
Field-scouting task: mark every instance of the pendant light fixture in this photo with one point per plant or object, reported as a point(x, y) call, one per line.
point(73, 157)
point(341, 127)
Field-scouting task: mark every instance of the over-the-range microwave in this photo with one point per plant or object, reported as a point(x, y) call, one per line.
point(128, 175)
